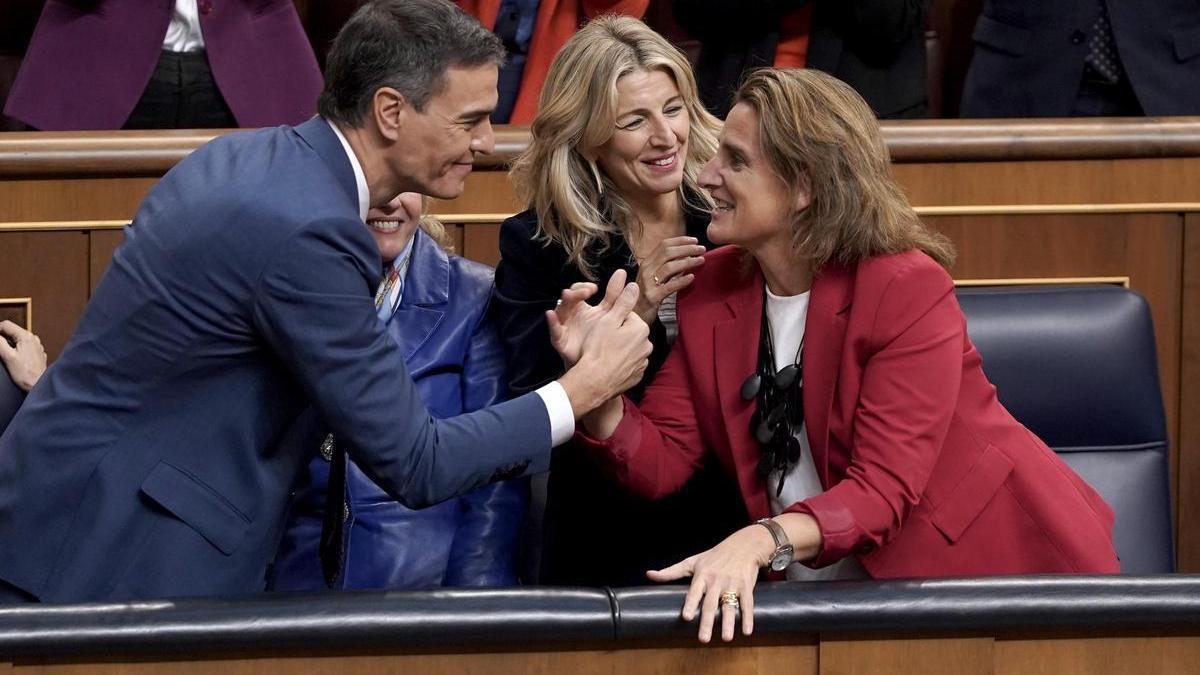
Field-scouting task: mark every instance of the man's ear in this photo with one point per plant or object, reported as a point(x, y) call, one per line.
point(390, 110)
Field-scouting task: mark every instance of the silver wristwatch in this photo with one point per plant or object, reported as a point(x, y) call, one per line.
point(783, 555)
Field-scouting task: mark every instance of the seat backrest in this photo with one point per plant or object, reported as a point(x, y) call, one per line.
point(1077, 366)
point(11, 397)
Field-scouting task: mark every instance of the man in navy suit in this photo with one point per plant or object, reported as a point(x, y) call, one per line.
point(1084, 58)
point(144, 462)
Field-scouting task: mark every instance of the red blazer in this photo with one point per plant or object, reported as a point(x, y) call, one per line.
point(925, 473)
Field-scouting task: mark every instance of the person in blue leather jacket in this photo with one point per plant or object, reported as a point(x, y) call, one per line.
point(435, 306)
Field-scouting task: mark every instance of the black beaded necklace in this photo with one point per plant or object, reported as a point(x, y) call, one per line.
point(780, 405)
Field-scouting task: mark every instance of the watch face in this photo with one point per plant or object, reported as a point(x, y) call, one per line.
point(782, 558)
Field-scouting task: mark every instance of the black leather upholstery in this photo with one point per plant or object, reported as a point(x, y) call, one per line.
point(531, 619)
point(11, 397)
point(280, 622)
point(1077, 365)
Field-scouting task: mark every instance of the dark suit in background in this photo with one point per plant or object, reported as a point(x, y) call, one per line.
point(457, 362)
point(875, 46)
point(147, 461)
point(90, 60)
point(1029, 56)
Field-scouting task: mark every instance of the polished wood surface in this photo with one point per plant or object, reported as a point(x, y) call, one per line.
point(832, 655)
point(151, 153)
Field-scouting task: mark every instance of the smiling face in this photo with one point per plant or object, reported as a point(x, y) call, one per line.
point(645, 156)
point(754, 207)
point(392, 225)
point(434, 149)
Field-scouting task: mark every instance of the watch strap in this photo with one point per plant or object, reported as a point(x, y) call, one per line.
point(776, 531)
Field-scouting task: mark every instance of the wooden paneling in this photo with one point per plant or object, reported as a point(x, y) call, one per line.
point(1089, 656)
point(1145, 247)
point(102, 245)
point(481, 242)
point(52, 269)
point(719, 660)
point(18, 311)
point(963, 656)
point(1056, 182)
point(879, 655)
point(72, 199)
point(1188, 523)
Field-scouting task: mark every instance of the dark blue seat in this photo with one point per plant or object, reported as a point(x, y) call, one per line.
point(1077, 366)
point(11, 397)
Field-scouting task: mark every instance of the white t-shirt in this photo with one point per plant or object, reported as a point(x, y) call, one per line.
point(785, 318)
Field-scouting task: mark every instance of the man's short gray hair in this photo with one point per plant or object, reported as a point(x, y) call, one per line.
point(404, 44)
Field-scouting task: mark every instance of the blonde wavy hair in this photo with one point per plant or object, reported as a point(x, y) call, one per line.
point(576, 203)
point(435, 228)
point(816, 131)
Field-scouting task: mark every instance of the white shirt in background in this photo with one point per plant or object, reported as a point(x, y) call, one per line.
point(183, 33)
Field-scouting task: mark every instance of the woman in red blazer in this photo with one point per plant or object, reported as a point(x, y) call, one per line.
point(888, 453)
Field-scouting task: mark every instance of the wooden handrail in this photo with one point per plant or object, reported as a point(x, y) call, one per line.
point(151, 153)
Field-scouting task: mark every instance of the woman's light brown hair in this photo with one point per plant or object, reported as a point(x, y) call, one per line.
point(816, 131)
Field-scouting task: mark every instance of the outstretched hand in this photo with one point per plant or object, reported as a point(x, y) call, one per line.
point(729, 567)
point(573, 319)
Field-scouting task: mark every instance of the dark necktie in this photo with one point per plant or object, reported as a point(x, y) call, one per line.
point(1102, 56)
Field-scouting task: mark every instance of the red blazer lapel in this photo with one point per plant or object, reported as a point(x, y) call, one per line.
point(824, 337)
point(736, 356)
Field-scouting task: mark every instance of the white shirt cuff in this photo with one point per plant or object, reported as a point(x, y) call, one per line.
point(562, 416)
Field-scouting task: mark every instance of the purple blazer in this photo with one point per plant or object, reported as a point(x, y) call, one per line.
point(90, 60)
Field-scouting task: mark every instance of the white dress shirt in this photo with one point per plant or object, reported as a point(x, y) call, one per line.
point(554, 397)
point(183, 33)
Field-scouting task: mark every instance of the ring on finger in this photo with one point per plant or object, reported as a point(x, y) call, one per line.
point(657, 281)
point(730, 599)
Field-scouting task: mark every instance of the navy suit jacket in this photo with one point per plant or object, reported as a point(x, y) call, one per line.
point(148, 461)
point(455, 357)
point(1028, 59)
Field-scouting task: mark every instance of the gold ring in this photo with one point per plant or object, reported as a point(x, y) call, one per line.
point(657, 281)
point(730, 599)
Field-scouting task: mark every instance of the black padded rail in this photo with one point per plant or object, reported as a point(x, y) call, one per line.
point(529, 619)
point(944, 605)
point(287, 622)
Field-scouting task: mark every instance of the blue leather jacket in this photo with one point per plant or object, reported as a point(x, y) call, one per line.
point(456, 359)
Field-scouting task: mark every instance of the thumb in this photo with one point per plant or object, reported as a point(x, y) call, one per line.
point(557, 330)
point(626, 301)
point(679, 570)
point(613, 291)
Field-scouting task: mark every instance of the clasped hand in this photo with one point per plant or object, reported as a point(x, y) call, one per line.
point(610, 336)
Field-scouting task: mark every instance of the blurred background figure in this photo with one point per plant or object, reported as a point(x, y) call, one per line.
point(112, 64)
point(533, 31)
point(435, 306)
point(1085, 57)
point(610, 183)
point(875, 46)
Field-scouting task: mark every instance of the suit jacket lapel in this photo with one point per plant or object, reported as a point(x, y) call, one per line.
point(735, 352)
point(825, 335)
point(426, 291)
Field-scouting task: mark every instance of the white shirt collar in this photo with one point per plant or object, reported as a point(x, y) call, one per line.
point(360, 179)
